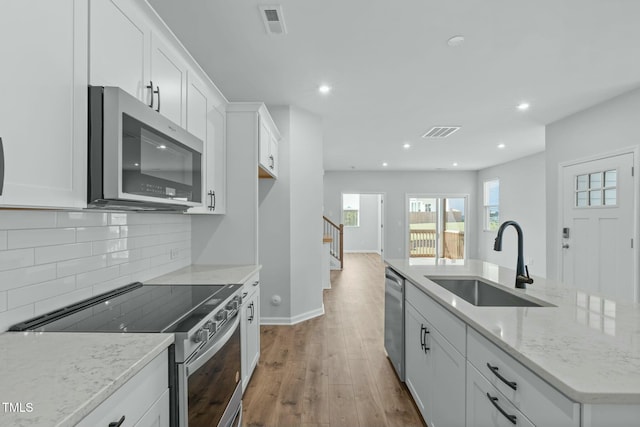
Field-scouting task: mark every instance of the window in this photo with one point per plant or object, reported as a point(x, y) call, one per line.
point(491, 205)
point(596, 189)
point(351, 210)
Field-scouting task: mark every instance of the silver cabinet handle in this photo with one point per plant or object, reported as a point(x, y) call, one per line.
point(1, 166)
point(565, 246)
point(150, 87)
point(157, 91)
point(212, 205)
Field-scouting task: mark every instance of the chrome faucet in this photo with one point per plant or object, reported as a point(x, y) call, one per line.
point(522, 271)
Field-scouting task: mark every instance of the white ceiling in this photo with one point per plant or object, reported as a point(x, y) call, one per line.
point(394, 76)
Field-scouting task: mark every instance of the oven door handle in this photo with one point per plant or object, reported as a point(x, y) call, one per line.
point(213, 348)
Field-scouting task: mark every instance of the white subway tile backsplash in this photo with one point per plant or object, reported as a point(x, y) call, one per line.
point(88, 234)
point(81, 265)
point(16, 258)
point(92, 278)
point(19, 277)
point(40, 237)
point(106, 246)
point(57, 253)
point(49, 259)
point(20, 219)
point(41, 291)
point(82, 219)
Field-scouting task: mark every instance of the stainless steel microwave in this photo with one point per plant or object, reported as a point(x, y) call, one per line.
point(138, 159)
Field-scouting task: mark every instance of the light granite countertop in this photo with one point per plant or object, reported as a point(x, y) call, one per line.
point(197, 274)
point(588, 347)
point(64, 376)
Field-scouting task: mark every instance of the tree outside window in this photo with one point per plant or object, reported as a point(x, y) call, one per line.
point(491, 205)
point(351, 210)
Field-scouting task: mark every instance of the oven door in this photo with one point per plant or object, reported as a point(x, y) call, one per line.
point(212, 387)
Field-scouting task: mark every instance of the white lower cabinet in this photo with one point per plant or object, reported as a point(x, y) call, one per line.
point(250, 329)
point(143, 401)
point(487, 407)
point(435, 372)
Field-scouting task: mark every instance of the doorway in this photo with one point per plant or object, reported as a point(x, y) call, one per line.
point(598, 226)
point(436, 226)
point(363, 219)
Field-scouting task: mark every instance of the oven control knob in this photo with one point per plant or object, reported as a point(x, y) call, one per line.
point(211, 326)
point(233, 305)
point(238, 300)
point(221, 315)
point(201, 335)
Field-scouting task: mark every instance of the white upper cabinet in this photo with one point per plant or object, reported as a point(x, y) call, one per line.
point(43, 106)
point(169, 77)
point(119, 50)
point(268, 138)
point(207, 122)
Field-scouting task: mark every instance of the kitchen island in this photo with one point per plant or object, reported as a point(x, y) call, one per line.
point(585, 346)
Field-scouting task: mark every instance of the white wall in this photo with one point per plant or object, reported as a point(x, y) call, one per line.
point(306, 213)
point(522, 199)
point(395, 186)
point(51, 259)
point(365, 237)
point(608, 126)
point(290, 221)
point(274, 227)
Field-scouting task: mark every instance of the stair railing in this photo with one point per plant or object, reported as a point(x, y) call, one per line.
point(336, 232)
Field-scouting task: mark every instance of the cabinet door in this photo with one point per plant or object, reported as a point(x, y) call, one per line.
point(273, 155)
point(253, 334)
point(417, 363)
point(487, 407)
point(264, 140)
point(447, 382)
point(158, 414)
point(217, 182)
point(43, 102)
point(168, 73)
point(119, 50)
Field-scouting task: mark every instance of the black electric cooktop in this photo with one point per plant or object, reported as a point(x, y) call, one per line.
point(135, 308)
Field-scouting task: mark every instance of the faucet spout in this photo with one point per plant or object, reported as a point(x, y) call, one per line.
point(522, 272)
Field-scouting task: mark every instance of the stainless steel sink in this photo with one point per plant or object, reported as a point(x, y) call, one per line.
point(483, 294)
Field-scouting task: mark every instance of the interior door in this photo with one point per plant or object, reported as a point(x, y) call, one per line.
point(598, 226)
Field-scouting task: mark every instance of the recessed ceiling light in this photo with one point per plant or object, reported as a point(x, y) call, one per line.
point(385, 164)
point(523, 106)
point(324, 89)
point(162, 147)
point(455, 163)
point(455, 41)
point(406, 145)
point(501, 146)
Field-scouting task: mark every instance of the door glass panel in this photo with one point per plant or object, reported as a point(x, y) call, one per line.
point(454, 228)
point(610, 178)
point(595, 198)
point(582, 182)
point(581, 198)
point(422, 227)
point(610, 197)
point(595, 180)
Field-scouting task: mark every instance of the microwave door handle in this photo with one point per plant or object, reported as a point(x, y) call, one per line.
point(216, 345)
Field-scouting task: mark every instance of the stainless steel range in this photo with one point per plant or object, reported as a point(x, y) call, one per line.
point(204, 371)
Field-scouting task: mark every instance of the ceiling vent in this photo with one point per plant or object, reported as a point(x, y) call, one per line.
point(440, 131)
point(273, 19)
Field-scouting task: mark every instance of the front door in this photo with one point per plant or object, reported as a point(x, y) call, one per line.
point(598, 227)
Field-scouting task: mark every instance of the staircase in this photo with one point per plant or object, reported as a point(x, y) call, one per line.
point(335, 233)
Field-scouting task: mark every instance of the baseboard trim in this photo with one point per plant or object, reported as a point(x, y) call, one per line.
point(372, 251)
point(292, 320)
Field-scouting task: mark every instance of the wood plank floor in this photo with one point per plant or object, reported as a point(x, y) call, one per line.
point(332, 371)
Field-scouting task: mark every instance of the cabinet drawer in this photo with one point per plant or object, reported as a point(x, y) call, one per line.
point(446, 323)
point(250, 287)
point(540, 402)
point(135, 397)
point(487, 407)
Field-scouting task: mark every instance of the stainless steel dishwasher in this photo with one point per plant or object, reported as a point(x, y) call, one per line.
point(394, 319)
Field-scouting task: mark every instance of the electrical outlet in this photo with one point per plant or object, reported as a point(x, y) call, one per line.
point(173, 253)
